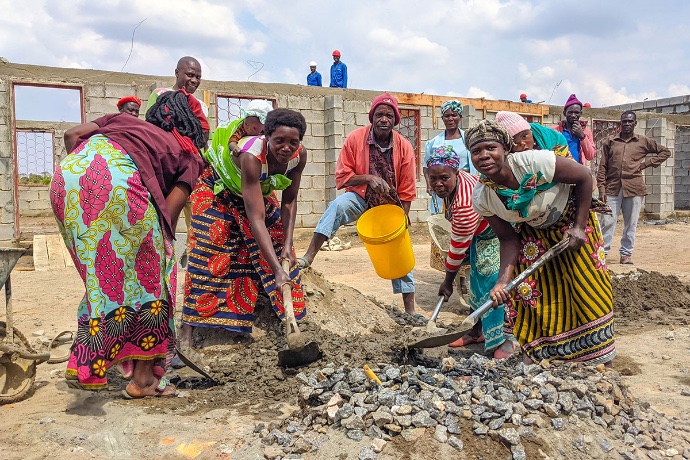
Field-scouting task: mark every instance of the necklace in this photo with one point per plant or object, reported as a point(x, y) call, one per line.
point(382, 149)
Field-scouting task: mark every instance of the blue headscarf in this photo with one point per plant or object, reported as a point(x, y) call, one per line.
point(453, 104)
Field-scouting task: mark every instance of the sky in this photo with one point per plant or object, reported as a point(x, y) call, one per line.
point(607, 52)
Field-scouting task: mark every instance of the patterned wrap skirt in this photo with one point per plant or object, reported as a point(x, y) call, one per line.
point(485, 262)
point(226, 270)
point(113, 233)
point(563, 311)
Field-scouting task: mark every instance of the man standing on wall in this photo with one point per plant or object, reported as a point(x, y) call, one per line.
point(376, 166)
point(314, 77)
point(621, 183)
point(338, 72)
point(579, 136)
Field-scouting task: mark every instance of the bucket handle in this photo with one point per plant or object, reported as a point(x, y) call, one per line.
point(396, 197)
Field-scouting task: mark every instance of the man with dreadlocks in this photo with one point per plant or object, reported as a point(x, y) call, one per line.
point(116, 198)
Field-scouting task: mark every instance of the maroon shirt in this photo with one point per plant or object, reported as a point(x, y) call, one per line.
point(158, 156)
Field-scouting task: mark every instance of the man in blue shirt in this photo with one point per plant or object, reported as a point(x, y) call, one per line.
point(338, 72)
point(314, 78)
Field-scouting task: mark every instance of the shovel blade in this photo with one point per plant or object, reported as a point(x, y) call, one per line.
point(439, 340)
point(193, 365)
point(300, 357)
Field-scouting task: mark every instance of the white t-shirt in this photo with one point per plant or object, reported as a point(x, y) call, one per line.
point(547, 206)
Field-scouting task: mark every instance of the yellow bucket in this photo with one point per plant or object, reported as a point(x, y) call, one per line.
point(383, 229)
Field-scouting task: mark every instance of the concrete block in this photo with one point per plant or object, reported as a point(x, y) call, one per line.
point(329, 182)
point(312, 195)
point(298, 103)
point(356, 106)
point(313, 116)
point(636, 106)
point(281, 101)
point(310, 220)
point(6, 233)
point(333, 115)
point(427, 123)
point(331, 169)
point(318, 207)
point(361, 119)
point(95, 90)
point(684, 108)
point(318, 182)
point(118, 91)
point(676, 100)
point(334, 101)
point(317, 156)
point(317, 103)
point(331, 129)
point(305, 182)
point(334, 142)
point(311, 142)
point(314, 169)
point(317, 130)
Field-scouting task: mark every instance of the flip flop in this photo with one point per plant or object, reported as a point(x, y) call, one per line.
point(163, 384)
point(303, 263)
point(462, 341)
point(60, 339)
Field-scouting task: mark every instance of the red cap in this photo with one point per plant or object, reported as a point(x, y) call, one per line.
point(127, 99)
point(523, 95)
point(336, 53)
point(387, 99)
point(588, 105)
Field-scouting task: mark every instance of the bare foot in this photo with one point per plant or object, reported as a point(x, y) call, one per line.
point(161, 387)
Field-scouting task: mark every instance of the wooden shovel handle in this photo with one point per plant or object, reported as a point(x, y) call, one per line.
point(286, 289)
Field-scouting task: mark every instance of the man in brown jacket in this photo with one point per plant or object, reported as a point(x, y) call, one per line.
point(621, 183)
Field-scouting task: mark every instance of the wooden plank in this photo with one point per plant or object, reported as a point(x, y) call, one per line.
point(478, 104)
point(56, 259)
point(40, 253)
point(68, 258)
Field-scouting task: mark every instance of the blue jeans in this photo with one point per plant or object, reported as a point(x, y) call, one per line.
point(346, 209)
point(630, 207)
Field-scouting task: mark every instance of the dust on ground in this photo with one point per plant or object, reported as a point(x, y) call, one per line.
point(352, 319)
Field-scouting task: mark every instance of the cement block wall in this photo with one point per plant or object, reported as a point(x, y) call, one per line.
point(669, 105)
point(331, 114)
point(682, 168)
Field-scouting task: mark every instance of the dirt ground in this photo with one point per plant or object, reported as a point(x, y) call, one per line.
point(653, 342)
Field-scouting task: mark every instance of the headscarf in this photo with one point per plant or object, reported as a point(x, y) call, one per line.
point(127, 99)
point(488, 130)
point(258, 108)
point(444, 156)
point(454, 105)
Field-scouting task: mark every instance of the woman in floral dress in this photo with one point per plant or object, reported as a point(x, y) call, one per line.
point(116, 198)
point(533, 201)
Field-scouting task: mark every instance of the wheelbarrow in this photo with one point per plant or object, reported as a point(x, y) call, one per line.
point(18, 360)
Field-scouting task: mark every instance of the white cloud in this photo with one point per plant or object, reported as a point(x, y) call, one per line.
point(475, 92)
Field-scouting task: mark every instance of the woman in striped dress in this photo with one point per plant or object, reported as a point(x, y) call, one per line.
point(471, 238)
point(533, 201)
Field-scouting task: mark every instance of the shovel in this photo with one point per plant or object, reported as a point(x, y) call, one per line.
point(299, 352)
point(470, 321)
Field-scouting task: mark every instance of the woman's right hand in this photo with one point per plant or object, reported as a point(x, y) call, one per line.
point(499, 294)
point(445, 290)
point(282, 278)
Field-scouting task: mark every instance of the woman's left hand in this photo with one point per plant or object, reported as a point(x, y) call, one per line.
point(287, 254)
point(576, 238)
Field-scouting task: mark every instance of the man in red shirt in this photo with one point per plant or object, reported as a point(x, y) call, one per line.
point(376, 166)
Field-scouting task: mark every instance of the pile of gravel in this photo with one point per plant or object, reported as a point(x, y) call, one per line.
point(506, 400)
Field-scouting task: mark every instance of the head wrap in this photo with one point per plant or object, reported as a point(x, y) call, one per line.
point(387, 99)
point(195, 106)
point(512, 122)
point(258, 108)
point(127, 99)
point(336, 53)
point(312, 64)
point(572, 100)
point(454, 105)
point(444, 156)
point(488, 130)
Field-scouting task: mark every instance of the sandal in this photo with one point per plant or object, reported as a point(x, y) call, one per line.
point(500, 354)
point(61, 339)
point(303, 262)
point(163, 388)
point(466, 340)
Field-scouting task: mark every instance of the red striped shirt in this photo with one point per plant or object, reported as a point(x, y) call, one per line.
point(465, 222)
